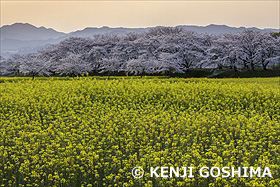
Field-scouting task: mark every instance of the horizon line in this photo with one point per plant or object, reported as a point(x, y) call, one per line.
point(127, 27)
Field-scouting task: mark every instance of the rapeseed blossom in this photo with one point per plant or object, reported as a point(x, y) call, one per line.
point(91, 132)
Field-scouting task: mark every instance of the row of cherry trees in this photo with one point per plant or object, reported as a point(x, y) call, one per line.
point(163, 50)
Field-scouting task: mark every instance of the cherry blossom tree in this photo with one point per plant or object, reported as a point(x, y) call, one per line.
point(162, 50)
point(168, 64)
point(110, 65)
point(12, 64)
point(135, 66)
point(73, 65)
point(268, 50)
point(249, 44)
point(34, 65)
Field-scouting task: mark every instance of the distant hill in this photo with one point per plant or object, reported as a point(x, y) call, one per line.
point(26, 31)
point(25, 38)
point(91, 31)
point(210, 29)
point(222, 29)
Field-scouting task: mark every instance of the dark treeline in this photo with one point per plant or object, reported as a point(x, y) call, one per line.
point(163, 50)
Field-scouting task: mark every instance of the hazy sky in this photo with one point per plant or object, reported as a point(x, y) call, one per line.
point(68, 16)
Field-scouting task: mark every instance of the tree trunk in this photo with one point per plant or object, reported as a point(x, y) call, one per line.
point(252, 67)
point(33, 76)
point(245, 65)
point(264, 66)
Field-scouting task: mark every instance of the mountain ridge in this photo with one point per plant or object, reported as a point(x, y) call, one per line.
point(26, 31)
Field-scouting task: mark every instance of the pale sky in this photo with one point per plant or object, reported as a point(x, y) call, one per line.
point(67, 16)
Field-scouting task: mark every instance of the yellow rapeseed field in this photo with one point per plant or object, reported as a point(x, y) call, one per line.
point(92, 132)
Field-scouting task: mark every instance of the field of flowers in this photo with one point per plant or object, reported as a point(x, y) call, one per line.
point(92, 132)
